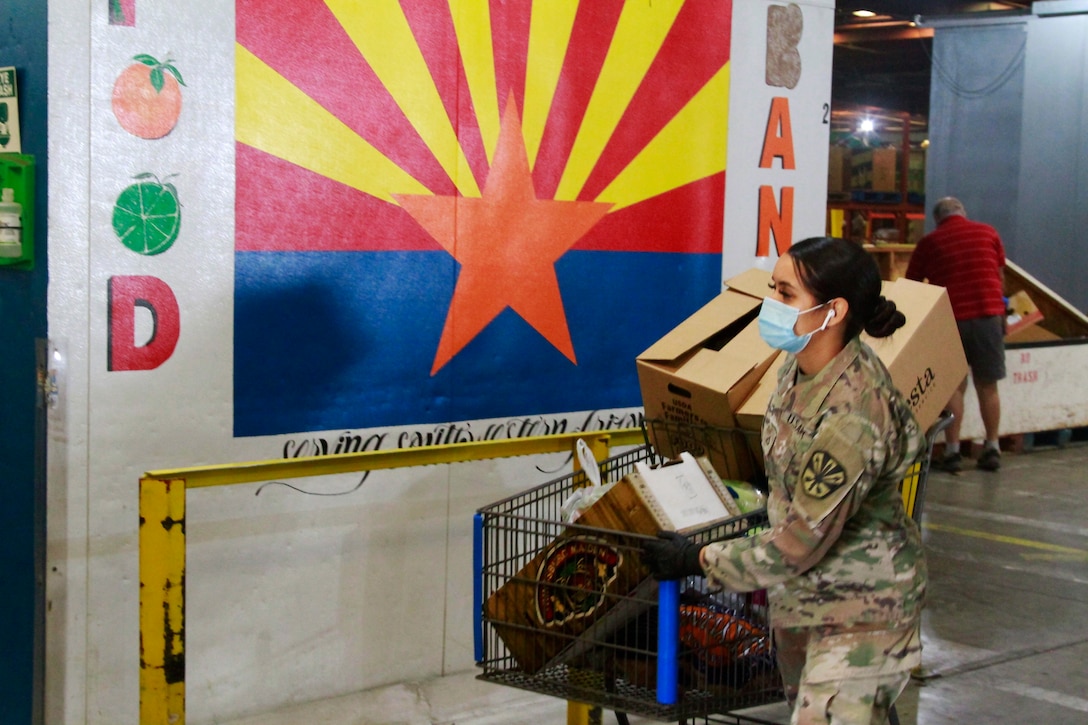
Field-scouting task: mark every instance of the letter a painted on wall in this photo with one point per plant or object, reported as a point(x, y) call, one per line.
point(126, 293)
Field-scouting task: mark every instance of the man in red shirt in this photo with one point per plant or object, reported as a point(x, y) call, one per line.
point(967, 258)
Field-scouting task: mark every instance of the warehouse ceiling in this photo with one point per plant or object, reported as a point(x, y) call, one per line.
point(883, 61)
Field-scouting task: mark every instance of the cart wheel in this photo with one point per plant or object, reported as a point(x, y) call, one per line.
point(621, 719)
point(893, 716)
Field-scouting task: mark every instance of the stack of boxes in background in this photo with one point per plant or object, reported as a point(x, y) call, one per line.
point(916, 177)
point(872, 198)
point(874, 170)
point(838, 173)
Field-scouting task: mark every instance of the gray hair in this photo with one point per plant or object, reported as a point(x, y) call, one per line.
point(948, 206)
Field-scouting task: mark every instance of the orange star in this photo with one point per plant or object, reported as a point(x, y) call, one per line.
point(507, 243)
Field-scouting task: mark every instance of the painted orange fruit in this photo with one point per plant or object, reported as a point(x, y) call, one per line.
point(147, 97)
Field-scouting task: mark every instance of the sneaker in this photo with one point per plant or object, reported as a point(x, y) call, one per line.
point(951, 463)
point(990, 460)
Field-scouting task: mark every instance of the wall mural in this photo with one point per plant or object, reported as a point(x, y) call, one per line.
point(122, 12)
point(463, 210)
point(147, 97)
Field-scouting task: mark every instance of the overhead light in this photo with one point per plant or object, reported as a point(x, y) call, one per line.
point(864, 14)
point(866, 125)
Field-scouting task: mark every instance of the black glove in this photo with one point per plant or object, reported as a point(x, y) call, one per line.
point(672, 556)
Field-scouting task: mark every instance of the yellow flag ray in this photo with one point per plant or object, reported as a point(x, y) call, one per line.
point(382, 34)
point(274, 116)
point(692, 146)
point(549, 36)
point(472, 25)
point(639, 34)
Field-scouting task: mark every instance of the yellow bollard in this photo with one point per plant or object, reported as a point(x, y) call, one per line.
point(579, 713)
point(162, 602)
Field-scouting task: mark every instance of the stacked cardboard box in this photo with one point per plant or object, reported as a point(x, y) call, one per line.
point(697, 377)
point(838, 170)
point(916, 172)
point(874, 170)
point(699, 373)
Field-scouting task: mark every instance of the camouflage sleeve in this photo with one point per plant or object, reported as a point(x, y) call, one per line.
point(830, 482)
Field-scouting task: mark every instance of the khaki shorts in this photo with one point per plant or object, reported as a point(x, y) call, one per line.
point(984, 345)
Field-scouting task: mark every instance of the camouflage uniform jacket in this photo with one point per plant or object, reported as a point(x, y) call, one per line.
point(841, 550)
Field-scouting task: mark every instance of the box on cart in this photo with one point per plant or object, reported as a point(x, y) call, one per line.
point(701, 371)
point(585, 583)
point(925, 356)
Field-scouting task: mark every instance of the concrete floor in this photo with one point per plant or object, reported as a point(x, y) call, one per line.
point(1005, 631)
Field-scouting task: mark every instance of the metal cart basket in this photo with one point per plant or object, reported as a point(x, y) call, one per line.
point(567, 609)
point(590, 626)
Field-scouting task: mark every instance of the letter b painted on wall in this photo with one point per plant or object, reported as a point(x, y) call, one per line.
point(784, 26)
point(126, 293)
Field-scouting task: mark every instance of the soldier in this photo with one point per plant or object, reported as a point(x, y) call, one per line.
point(842, 562)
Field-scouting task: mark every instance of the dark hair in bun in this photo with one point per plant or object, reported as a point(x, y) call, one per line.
point(830, 267)
point(886, 319)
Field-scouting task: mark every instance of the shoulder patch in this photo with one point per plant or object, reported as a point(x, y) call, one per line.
point(823, 475)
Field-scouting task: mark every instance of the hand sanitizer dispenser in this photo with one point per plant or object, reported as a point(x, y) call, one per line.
point(11, 225)
point(16, 211)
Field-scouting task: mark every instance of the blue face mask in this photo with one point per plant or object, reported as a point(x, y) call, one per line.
point(776, 323)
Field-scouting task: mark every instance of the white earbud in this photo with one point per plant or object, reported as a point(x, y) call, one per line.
point(830, 314)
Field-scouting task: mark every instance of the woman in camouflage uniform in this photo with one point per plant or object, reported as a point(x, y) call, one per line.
point(842, 562)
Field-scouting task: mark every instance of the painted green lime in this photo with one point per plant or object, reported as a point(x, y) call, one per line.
point(147, 216)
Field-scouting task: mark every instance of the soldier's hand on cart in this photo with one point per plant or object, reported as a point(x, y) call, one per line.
point(672, 556)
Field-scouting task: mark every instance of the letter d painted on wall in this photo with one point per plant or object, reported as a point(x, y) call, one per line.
point(126, 293)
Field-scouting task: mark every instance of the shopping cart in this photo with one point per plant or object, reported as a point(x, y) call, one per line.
point(567, 610)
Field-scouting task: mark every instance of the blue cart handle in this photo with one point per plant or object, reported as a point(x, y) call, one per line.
point(478, 586)
point(668, 641)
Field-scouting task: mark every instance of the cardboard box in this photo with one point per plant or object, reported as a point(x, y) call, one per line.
point(584, 585)
point(916, 171)
point(751, 412)
point(1022, 313)
point(925, 356)
point(874, 170)
point(700, 372)
point(754, 282)
point(1034, 333)
point(838, 169)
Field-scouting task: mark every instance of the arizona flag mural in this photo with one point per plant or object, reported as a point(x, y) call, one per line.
point(454, 210)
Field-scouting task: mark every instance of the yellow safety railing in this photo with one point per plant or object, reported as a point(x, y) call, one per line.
point(162, 541)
